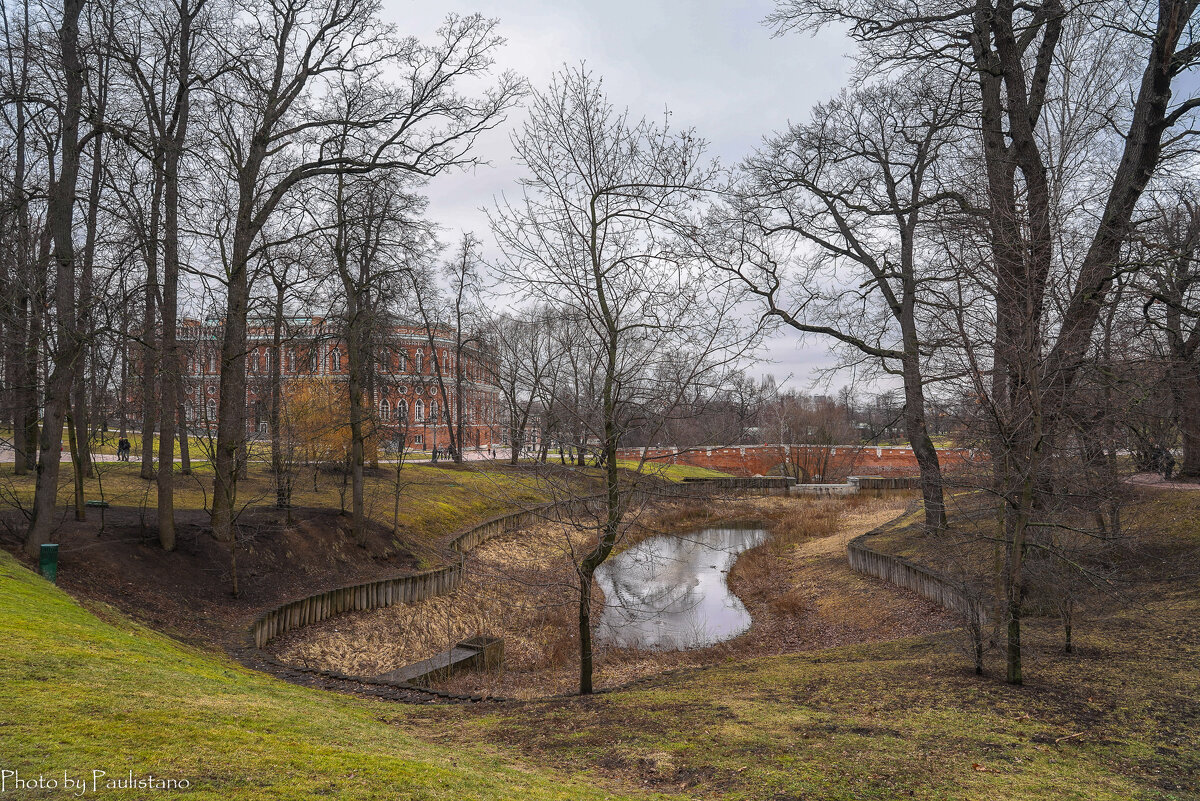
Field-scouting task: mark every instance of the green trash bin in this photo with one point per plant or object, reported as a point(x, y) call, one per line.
point(48, 564)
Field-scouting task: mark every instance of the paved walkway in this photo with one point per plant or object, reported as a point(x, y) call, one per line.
point(6, 455)
point(1156, 481)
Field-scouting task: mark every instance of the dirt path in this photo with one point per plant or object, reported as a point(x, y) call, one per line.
point(853, 524)
point(1156, 481)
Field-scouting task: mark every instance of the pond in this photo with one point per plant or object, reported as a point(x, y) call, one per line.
point(669, 592)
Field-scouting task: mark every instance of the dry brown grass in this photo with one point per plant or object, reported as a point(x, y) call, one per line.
point(518, 587)
point(523, 589)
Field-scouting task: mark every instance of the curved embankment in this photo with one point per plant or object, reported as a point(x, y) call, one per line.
point(386, 592)
point(926, 582)
point(399, 590)
point(406, 589)
point(416, 587)
point(88, 693)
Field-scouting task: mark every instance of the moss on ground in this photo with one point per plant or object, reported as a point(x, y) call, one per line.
point(80, 693)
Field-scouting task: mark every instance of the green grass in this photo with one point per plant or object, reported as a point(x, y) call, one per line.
point(672, 472)
point(86, 689)
point(434, 501)
point(80, 693)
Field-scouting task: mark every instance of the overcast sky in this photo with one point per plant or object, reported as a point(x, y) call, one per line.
point(711, 62)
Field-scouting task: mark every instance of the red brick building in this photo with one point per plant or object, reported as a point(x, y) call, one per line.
point(403, 390)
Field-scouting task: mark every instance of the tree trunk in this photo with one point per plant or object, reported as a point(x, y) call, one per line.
point(59, 216)
point(185, 451)
point(231, 406)
point(149, 345)
point(123, 413)
point(170, 292)
point(923, 449)
point(282, 492)
point(370, 410)
point(80, 413)
point(76, 468)
point(21, 397)
point(356, 357)
point(1187, 410)
point(33, 348)
point(585, 630)
point(19, 359)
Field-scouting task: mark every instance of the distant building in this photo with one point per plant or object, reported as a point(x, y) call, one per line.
point(403, 389)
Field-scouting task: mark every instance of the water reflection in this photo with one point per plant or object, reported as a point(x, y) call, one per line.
point(669, 592)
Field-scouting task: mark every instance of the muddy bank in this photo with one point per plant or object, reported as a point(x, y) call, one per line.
point(797, 588)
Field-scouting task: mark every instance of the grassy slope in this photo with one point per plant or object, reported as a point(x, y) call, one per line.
point(889, 721)
point(434, 501)
point(672, 472)
point(79, 693)
point(1116, 720)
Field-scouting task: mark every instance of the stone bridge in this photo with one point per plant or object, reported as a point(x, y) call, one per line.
point(816, 462)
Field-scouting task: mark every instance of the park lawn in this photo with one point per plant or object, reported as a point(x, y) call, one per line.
point(904, 719)
point(1114, 721)
point(86, 689)
point(672, 472)
point(434, 501)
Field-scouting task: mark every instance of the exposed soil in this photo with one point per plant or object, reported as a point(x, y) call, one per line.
point(798, 589)
point(188, 592)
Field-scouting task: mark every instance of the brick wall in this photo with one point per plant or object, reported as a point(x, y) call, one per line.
point(835, 463)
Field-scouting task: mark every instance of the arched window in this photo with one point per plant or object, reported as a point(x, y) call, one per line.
point(385, 410)
point(291, 360)
point(420, 411)
point(212, 409)
point(402, 357)
point(420, 359)
point(433, 410)
point(266, 361)
point(401, 411)
point(335, 361)
point(254, 362)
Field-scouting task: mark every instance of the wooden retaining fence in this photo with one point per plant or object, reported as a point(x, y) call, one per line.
point(418, 587)
point(926, 582)
point(401, 589)
point(885, 482)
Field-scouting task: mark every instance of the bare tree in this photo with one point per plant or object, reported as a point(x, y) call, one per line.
point(374, 236)
point(821, 424)
point(20, 285)
point(521, 354)
point(594, 235)
point(1048, 291)
point(1170, 284)
point(300, 72)
point(60, 217)
point(174, 135)
point(854, 188)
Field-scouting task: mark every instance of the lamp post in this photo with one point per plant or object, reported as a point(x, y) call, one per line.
point(434, 416)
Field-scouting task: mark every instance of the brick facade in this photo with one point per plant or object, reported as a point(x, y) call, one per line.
point(405, 397)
